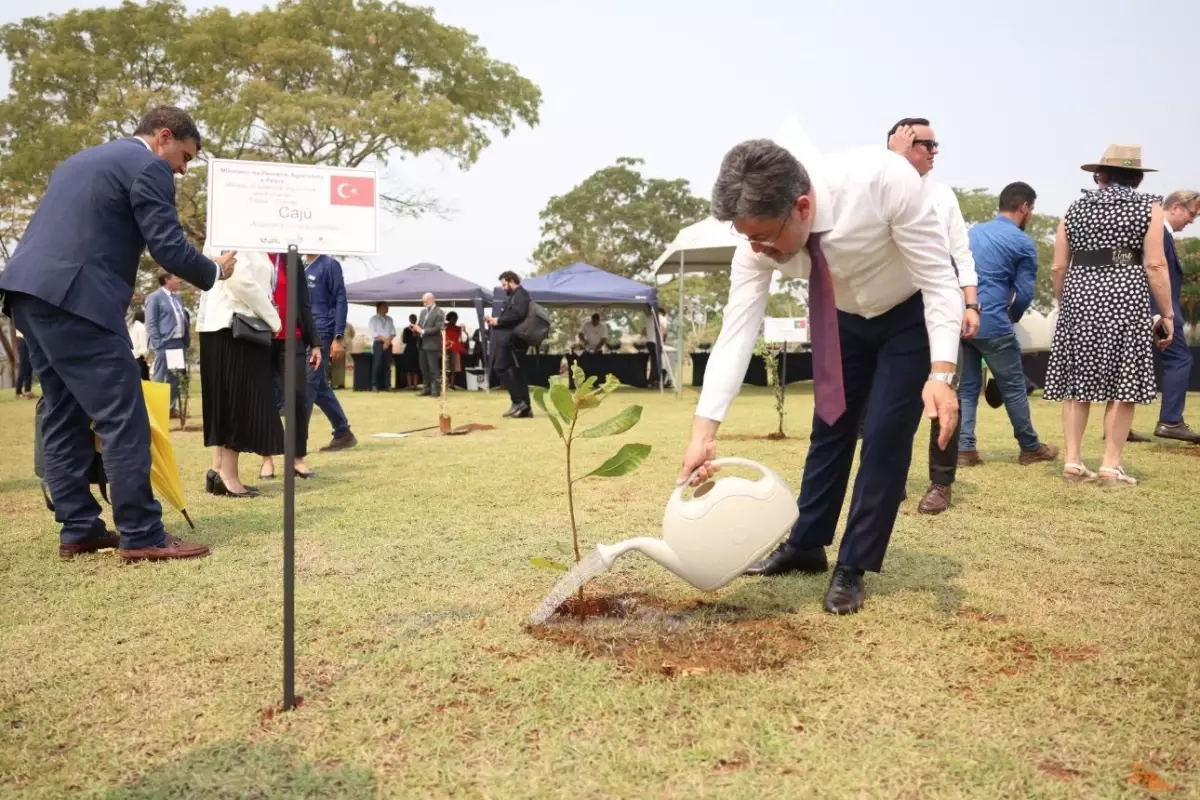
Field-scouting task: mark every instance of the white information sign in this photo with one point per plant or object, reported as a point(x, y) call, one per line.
point(258, 205)
point(785, 329)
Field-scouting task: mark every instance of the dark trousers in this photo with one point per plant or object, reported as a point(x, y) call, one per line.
point(24, 369)
point(885, 362)
point(431, 370)
point(321, 394)
point(381, 367)
point(88, 376)
point(144, 368)
point(303, 409)
point(943, 464)
point(1177, 369)
point(514, 379)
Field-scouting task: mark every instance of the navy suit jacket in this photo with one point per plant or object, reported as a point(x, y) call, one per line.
point(1175, 271)
point(102, 208)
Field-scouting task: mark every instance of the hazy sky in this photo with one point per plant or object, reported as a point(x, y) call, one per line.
point(1016, 91)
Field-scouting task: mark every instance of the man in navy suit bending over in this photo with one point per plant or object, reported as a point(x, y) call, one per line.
point(67, 289)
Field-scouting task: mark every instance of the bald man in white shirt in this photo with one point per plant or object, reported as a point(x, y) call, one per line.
point(857, 226)
point(913, 138)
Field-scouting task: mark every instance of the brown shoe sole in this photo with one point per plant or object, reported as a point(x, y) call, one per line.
point(174, 549)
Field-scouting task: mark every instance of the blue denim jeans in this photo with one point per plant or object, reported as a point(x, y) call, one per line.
point(320, 393)
point(1003, 356)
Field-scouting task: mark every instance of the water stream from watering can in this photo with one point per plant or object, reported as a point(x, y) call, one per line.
point(591, 566)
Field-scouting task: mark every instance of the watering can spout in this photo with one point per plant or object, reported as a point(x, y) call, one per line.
point(656, 549)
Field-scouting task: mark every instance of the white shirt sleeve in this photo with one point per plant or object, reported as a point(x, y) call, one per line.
point(960, 246)
point(917, 234)
point(749, 286)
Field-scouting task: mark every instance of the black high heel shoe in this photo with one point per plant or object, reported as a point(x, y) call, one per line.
point(221, 490)
point(305, 475)
point(210, 481)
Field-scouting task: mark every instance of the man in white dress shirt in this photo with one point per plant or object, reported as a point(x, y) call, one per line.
point(857, 226)
point(914, 139)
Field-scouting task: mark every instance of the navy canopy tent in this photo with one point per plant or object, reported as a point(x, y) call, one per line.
point(584, 285)
point(408, 285)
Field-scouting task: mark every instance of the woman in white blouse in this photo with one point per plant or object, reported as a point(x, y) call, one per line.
point(141, 343)
point(235, 374)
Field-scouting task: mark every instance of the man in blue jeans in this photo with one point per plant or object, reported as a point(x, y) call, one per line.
point(327, 293)
point(1006, 267)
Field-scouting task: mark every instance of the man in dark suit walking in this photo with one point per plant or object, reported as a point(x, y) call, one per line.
point(67, 288)
point(430, 325)
point(1179, 210)
point(505, 360)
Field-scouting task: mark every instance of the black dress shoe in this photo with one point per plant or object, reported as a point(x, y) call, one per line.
point(1137, 437)
point(846, 594)
point(305, 475)
point(788, 558)
point(512, 410)
point(523, 412)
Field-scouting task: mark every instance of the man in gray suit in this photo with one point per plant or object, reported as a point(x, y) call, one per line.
point(430, 326)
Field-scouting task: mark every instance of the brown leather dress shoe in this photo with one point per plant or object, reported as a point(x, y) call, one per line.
point(93, 545)
point(969, 458)
point(173, 547)
point(936, 499)
point(1045, 452)
point(343, 442)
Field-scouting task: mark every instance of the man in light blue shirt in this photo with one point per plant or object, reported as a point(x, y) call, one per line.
point(1006, 266)
point(383, 333)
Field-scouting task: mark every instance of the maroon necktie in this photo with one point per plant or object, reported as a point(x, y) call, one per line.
point(828, 389)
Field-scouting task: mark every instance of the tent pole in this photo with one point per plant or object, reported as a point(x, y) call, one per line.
point(679, 335)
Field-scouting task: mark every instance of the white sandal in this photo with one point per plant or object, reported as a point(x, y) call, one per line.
point(1115, 477)
point(1077, 473)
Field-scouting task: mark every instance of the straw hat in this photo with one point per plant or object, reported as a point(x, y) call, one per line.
point(1124, 156)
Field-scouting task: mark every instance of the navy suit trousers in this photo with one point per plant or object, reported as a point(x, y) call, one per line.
point(89, 375)
point(885, 363)
point(1176, 363)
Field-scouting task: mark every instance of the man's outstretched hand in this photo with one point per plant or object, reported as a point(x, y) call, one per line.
point(941, 403)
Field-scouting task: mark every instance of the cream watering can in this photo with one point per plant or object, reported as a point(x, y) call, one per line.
point(726, 525)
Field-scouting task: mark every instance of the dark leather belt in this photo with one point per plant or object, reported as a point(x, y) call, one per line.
point(1117, 256)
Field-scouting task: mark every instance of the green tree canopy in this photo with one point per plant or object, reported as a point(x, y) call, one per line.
point(336, 82)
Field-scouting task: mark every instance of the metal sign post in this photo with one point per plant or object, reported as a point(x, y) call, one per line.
point(289, 480)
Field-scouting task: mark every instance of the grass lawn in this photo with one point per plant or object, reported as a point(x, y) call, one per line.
point(1036, 640)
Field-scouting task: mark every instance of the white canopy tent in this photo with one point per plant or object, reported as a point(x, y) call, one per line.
point(702, 248)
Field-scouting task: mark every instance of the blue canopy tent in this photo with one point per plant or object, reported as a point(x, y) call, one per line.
point(408, 285)
point(584, 285)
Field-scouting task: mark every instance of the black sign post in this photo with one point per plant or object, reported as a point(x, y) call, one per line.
point(289, 479)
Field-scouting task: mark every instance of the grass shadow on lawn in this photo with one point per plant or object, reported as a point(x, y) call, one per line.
point(242, 769)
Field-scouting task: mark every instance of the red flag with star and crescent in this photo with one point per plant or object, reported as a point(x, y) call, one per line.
point(352, 190)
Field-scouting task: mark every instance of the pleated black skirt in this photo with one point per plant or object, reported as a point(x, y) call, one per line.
point(237, 390)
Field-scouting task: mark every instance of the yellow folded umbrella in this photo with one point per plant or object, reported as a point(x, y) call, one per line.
point(164, 471)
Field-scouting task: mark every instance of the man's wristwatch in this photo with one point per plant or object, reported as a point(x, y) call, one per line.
point(945, 377)
point(974, 307)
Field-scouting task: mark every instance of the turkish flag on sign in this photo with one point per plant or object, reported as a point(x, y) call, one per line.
point(352, 190)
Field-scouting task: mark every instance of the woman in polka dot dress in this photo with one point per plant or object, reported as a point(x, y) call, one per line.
point(1108, 257)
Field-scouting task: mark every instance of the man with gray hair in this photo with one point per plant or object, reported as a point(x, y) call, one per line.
point(885, 315)
point(1179, 210)
point(429, 326)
